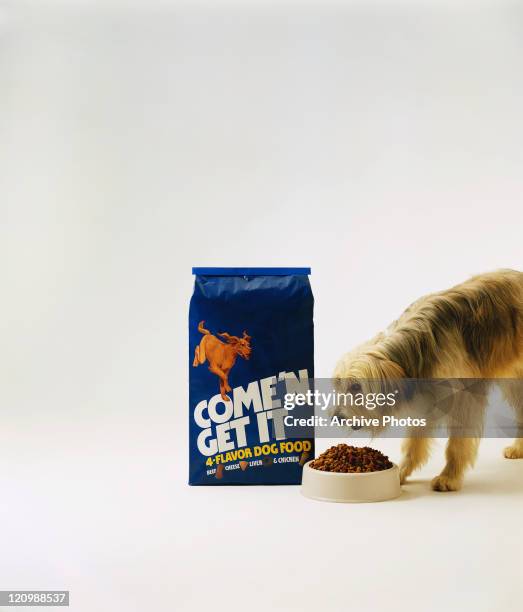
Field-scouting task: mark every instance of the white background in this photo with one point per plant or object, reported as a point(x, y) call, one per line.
point(379, 143)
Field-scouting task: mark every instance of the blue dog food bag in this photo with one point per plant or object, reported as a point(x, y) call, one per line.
point(250, 331)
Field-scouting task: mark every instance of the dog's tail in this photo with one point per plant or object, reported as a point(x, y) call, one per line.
point(202, 329)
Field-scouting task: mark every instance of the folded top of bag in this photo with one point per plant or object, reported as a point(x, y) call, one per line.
point(251, 271)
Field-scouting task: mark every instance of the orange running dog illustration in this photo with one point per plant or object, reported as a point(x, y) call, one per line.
point(220, 355)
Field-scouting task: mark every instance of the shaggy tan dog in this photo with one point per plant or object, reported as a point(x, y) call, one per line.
point(474, 330)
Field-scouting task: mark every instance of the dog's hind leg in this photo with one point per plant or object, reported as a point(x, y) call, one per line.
point(416, 452)
point(512, 390)
point(199, 354)
point(196, 361)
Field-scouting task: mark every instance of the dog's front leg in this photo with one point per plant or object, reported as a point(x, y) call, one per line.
point(465, 416)
point(223, 380)
point(460, 454)
point(226, 380)
point(416, 452)
point(513, 392)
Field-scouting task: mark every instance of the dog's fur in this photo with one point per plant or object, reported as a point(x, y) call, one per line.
point(221, 356)
point(474, 330)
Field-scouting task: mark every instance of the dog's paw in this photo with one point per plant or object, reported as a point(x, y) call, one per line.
point(445, 483)
point(513, 452)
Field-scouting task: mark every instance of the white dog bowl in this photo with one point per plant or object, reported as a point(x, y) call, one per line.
point(350, 487)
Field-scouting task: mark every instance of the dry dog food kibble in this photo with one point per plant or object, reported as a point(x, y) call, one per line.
point(345, 458)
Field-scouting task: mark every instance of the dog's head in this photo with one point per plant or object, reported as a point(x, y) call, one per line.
point(242, 346)
point(368, 374)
